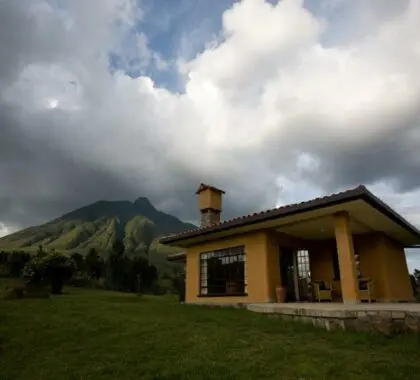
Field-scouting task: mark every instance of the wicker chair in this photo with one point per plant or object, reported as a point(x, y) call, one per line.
point(366, 289)
point(322, 291)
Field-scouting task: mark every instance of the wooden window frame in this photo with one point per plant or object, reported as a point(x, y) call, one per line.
point(232, 254)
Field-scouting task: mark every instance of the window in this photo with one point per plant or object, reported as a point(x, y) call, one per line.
point(222, 272)
point(304, 268)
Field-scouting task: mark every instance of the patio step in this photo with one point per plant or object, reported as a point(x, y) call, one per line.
point(387, 318)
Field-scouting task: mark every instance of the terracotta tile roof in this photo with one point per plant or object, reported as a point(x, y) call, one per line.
point(360, 192)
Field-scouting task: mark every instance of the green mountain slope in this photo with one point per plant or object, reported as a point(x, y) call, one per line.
point(97, 226)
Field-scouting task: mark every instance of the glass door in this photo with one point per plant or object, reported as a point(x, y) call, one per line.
point(304, 275)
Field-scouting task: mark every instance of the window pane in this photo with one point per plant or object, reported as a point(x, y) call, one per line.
point(223, 271)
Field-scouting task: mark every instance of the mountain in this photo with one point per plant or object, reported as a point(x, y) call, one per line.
point(97, 226)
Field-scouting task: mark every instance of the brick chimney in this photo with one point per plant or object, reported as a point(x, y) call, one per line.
point(210, 204)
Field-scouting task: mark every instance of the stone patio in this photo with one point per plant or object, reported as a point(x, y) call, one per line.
point(387, 318)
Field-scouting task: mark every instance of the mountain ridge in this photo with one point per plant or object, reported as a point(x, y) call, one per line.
point(98, 225)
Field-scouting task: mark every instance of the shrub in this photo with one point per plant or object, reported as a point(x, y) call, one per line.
point(53, 269)
point(15, 292)
point(13, 263)
point(4, 271)
point(35, 270)
point(79, 261)
point(94, 264)
point(98, 283)
point(19, 291)
point(157, 289)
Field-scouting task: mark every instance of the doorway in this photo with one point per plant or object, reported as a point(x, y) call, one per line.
point(287, 272)
point(304, 275)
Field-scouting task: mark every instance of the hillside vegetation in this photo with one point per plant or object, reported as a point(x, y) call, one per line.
point(98, 226)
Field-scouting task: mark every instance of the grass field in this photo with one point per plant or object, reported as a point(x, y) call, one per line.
point(92, 334)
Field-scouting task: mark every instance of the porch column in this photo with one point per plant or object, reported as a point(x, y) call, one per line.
point(346, 261)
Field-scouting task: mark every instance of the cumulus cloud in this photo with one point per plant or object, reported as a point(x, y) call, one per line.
point(286, 107)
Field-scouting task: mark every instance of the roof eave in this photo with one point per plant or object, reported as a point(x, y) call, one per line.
point(176, 257)
point(360, 192)
point(258, 218)
point(381, 206)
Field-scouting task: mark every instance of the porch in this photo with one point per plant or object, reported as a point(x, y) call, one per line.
point(385, 318)
point(339, 259)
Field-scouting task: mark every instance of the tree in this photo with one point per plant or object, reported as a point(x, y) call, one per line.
point(138, 263)
point(94, 264)
point(143, 274)
point(149, 234)
point(415, 283)
point(416, 275)
point(40, 252)
point(79, 261)
point(59, 270)
point(53, 269)
point(16, 261)
point(115, 266)
point(179, 284)
point(118, 248)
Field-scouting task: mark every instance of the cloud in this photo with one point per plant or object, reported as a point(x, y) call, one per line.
point(280, 109)
point(136, 57)
point(4, 230)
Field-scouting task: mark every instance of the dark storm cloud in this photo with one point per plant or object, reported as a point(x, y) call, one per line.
point(39, 182)
point(390, 155)
point(42, 174)
point(72, 133)
point(26, 38)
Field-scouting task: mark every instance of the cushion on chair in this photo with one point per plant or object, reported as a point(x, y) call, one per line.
point(363, 284)
point(322, 285)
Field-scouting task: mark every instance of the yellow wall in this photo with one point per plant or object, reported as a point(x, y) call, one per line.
point(261, 268)
point(273, 266)
point(380, 259)
point(372, 263)
point(210, 199)
point(320, 259)
point(395, 270)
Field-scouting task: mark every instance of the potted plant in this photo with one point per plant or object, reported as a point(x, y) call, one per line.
point(280, 294)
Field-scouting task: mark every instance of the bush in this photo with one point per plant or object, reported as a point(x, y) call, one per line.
point(16, 292)
point(129, 274)
point(157, 289)
point(4, 270)
point(94, 265)
point(12, 264)
point(53, 269)
point(98, 283)
point(19, 291)
point(79, 261)
point(36, 291)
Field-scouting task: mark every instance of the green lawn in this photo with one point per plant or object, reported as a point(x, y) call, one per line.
point(92, 334)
